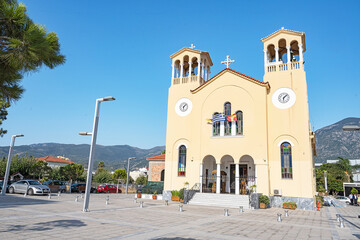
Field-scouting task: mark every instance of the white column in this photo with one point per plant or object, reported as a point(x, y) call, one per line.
point(201, 176)
point(202, 70)
point(206, 74)
point(181, 69)
point(237, 179)
point(177, 70)
point(233, 128)
point(222, 128)
point(190, 68)
point(218, 175)
point(266, 57)
point(301, 56)
point(276, 54)
point(173, 71)
point(199, 68)
point(209, 74)
point(288, 54)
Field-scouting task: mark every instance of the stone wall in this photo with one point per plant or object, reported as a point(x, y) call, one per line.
point(155, 170)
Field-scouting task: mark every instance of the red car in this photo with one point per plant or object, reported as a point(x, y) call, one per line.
point(107, 188)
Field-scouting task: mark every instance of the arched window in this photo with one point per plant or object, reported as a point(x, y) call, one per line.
point(286, 160)
point(227, 112)
point(239, 123)
point(182, 161)
point(162, 177)
point(216, 126)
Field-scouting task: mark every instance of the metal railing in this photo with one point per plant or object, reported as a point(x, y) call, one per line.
point(247, 185)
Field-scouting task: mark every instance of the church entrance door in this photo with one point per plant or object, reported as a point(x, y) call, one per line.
point(243, 178)
point(232, 178)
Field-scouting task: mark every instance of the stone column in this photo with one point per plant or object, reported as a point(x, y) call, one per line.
point(222, 128)
point(288, 54)
point(277, 55)
point(237, 179)
point(201, 176)
point(173, 71)
point(199, 68)
point(218, 175)
point(202, 70)
point(206, 73)
point(266, 57)
point(301, 56)
point(181, 69)
point(190, 68)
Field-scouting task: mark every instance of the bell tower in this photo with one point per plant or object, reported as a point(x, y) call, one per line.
point(288, 114)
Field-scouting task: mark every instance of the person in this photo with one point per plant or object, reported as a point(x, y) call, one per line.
point(355, 199)
point(351, 196)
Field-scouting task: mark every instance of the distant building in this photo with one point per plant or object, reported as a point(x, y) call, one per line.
point(156, 168)
point(138, 173)
point(356, 173)
point(55, 162)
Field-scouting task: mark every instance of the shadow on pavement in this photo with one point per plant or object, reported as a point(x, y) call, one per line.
point(174, 238)
point(9, 201)
point(47, 226)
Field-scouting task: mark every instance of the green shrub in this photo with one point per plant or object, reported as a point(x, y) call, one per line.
point(354, 191)
point(181, 193)
point(290, 204)
point(320, 199)
point(264, 199)
point(174, 193)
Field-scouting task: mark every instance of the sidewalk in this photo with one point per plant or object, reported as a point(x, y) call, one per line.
point(38, 217)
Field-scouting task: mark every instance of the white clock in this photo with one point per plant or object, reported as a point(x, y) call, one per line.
point(284, 98)
point(183, 107)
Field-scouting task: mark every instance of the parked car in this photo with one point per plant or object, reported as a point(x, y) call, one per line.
point(56, 185)
point(29, 186)
point(343, 199)
point(81, 187)
point(8, 185)
point(107, 188)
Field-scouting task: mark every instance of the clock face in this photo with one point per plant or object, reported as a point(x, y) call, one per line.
point(284, 98)
point(183, 107)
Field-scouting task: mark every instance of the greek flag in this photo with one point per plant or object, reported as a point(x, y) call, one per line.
point(219, 117)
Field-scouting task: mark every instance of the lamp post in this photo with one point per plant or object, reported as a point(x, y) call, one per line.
point(12, 143)
point(325, 176)
point(92, 148)
point(127, 174)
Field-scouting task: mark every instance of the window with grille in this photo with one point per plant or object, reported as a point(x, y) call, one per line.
point(286, 160)
point(182, 161)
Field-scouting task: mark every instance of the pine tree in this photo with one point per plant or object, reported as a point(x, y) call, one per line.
point(24, 47)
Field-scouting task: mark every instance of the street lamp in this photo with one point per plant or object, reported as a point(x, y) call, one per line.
point(127, 177)
point(92, 150)
point(325, 176)
point(3, 191)
point(351, 128)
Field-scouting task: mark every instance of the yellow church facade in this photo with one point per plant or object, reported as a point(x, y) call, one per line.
point(233, 134)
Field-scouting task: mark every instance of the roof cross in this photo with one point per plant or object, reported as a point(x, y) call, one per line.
point(228, 61)
point(192, 46)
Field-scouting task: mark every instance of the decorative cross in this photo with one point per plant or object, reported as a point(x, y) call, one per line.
point(192, 46)
point(228, 61)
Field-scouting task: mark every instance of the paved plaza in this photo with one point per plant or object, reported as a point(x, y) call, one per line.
point(37, 217)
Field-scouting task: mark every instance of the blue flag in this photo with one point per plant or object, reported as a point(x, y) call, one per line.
point(218, 117)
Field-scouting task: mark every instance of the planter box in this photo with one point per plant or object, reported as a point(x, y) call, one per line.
point(154, 197)
point(287, 206)
point(138, 195)
point(175, 199)
point(262, 205)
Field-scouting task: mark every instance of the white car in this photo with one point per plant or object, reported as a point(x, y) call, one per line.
point(30, 187)
point(343, 199)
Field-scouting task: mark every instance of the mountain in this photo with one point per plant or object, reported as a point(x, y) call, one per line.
point(113, 156)
point(333, 142)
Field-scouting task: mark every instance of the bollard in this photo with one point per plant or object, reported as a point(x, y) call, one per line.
point(49, 196)
point(25, 194)
point(279, 217)
point(59, 193)
point(107, 200)
point(166, 202)
point(286, 213)
point(226, 212)
point(141, 204)
point(342, 223)
point(76, 198)
point(135, 200)
point(241, 209)
point(338, 217)
point(180, 208)
point(82, 196)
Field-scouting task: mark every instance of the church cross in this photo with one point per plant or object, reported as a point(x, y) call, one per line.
point(228, 61)
point(192, 46)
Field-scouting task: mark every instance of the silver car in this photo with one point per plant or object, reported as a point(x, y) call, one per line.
point(30, 187)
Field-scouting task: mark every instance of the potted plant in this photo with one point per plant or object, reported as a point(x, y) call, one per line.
point(154, 195)
point(175, 195)
point(264, 201)
point(138, 195)
point(289, 205)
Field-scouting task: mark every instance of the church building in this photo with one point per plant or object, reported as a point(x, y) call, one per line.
point(232, 134)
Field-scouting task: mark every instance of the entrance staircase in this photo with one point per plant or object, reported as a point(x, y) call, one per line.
point(220, 200)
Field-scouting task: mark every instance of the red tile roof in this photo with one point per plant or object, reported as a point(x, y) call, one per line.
point(158, 157)
point(261, 83)
point(53, 159)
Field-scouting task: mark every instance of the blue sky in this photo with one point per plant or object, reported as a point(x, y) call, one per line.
point(122, 49)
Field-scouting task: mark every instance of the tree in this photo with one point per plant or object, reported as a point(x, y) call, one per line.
point(24, 47)
point(103, 177)
point(72, 171)
point(141, 180)
point(23, 165)
point(120, 174)
point(40, 169)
